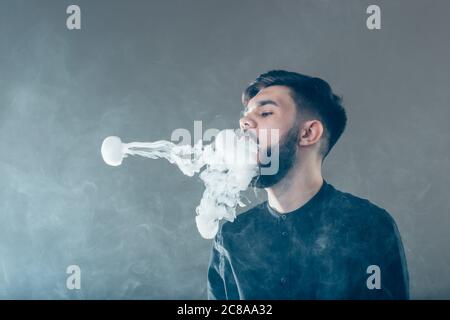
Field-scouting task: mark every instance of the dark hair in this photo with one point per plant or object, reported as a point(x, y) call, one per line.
point(313, 97)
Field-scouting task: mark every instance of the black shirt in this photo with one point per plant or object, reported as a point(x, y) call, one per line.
point(329, 248)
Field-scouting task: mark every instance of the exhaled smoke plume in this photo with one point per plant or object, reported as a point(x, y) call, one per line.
point(226, 167)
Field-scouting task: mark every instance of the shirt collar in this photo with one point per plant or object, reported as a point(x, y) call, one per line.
point(311, 203)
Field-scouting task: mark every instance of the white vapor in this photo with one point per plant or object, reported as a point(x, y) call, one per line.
point(226, 167)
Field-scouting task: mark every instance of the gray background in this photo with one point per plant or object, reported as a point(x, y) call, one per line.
point(139, 69)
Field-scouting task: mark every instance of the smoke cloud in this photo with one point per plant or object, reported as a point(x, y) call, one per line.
point(225, 166)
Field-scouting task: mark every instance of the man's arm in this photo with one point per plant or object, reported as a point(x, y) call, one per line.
point(384, 268)
point(222, 283)
point(215, 285)
point(395, 278)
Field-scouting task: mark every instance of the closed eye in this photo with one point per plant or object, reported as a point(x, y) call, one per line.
point(266, 114)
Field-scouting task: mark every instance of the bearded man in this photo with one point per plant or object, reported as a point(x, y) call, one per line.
point(308, 240)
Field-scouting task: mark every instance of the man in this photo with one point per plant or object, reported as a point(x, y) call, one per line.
point(309, 240)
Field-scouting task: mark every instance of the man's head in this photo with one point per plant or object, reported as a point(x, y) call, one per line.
point(309, 116)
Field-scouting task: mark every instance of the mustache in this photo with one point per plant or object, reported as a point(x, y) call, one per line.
point(251, 133)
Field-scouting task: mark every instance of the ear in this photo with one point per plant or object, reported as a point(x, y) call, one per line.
point(310, 133)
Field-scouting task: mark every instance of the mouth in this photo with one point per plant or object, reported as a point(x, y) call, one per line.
point(250, 135)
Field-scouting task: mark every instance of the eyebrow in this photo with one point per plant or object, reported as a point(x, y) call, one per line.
point(267, 101)
point(262, 103)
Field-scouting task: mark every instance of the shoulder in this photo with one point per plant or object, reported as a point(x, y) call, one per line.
point(243, 223)
point(362, 224)
point(359, 210)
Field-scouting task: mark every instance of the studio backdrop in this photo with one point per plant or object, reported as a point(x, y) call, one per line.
point(141, 69)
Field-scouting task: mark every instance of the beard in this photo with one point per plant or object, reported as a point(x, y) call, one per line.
point(287, 156)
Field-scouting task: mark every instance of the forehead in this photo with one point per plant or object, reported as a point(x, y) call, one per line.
point(279, 94)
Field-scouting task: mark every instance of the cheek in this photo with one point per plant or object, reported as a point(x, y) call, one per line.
point(271, 129)
point(269, 136)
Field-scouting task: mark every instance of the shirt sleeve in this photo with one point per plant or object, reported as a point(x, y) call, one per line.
point(215, 285)
point(386, 257)
point(222, 281)
point(396, 278)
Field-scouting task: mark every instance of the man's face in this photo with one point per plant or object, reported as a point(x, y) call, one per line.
point(273, 109)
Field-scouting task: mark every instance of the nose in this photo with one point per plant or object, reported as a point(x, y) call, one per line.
point(247, 123)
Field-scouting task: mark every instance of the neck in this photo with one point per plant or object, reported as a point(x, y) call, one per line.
point(300, 184)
